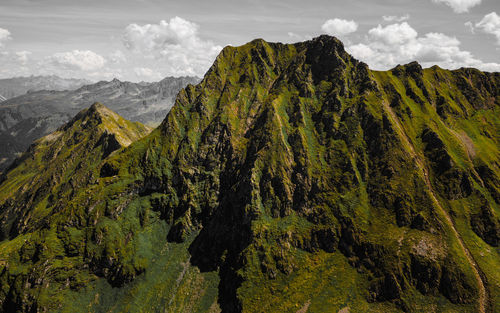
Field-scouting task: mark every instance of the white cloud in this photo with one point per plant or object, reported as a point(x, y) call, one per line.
point(394, 18)
point(293, 37)
point(490, 24)
point(84, 60)
point(459, 6)
point(364, 53)
point(469, 26)
point(145, 73)
point(385, 47)
point(23, 56)
point(4, 36)
point(14, 63)
point(104, 74)
point(176, 43)
point(145, 52)
point(393, 34)
point(339, 27)
point(71, 64)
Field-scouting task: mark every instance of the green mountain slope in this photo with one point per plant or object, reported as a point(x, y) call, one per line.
point(57, 164)
point(291, 179)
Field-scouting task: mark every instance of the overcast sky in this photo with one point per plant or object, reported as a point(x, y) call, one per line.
point(149, 39)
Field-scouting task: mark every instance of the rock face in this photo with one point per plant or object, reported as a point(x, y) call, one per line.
point(28, 117)
point(17, 86)
point(291, 177)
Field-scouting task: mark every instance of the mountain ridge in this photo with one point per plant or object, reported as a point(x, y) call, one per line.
point(291, 177)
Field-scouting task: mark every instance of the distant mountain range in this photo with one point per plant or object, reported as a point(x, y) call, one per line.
point(28, 117)
point(16, 86)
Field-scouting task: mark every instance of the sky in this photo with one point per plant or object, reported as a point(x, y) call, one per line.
point(147, 40)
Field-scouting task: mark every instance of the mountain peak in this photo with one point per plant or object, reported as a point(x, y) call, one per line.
point(100, 110)
point(327, 40)
point(80, 145)
point(261, 63)
point(413, 69)
point(97, 106)
point(98, 118)
point(96, 112)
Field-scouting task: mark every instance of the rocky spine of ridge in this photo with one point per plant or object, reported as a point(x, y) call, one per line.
point(302, 180)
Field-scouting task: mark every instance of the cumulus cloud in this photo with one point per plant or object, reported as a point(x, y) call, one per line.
point(176, 42)
point(459, 6)
point(393, 34)
point(4, 36)
point(144, 52)
point(15, 63)
point(339, 27)
point(394, 18)
point(399, 43)
point(490, 24)
point(84, 60)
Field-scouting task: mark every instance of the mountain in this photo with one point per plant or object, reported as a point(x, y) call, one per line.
point(74, 149)
point(28, 117)
point(292, 178)
point(17, 86)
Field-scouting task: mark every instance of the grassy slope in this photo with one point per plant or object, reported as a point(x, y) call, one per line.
point(470, 144)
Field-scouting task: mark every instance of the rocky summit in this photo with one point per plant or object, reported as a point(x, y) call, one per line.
point(292, 178)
